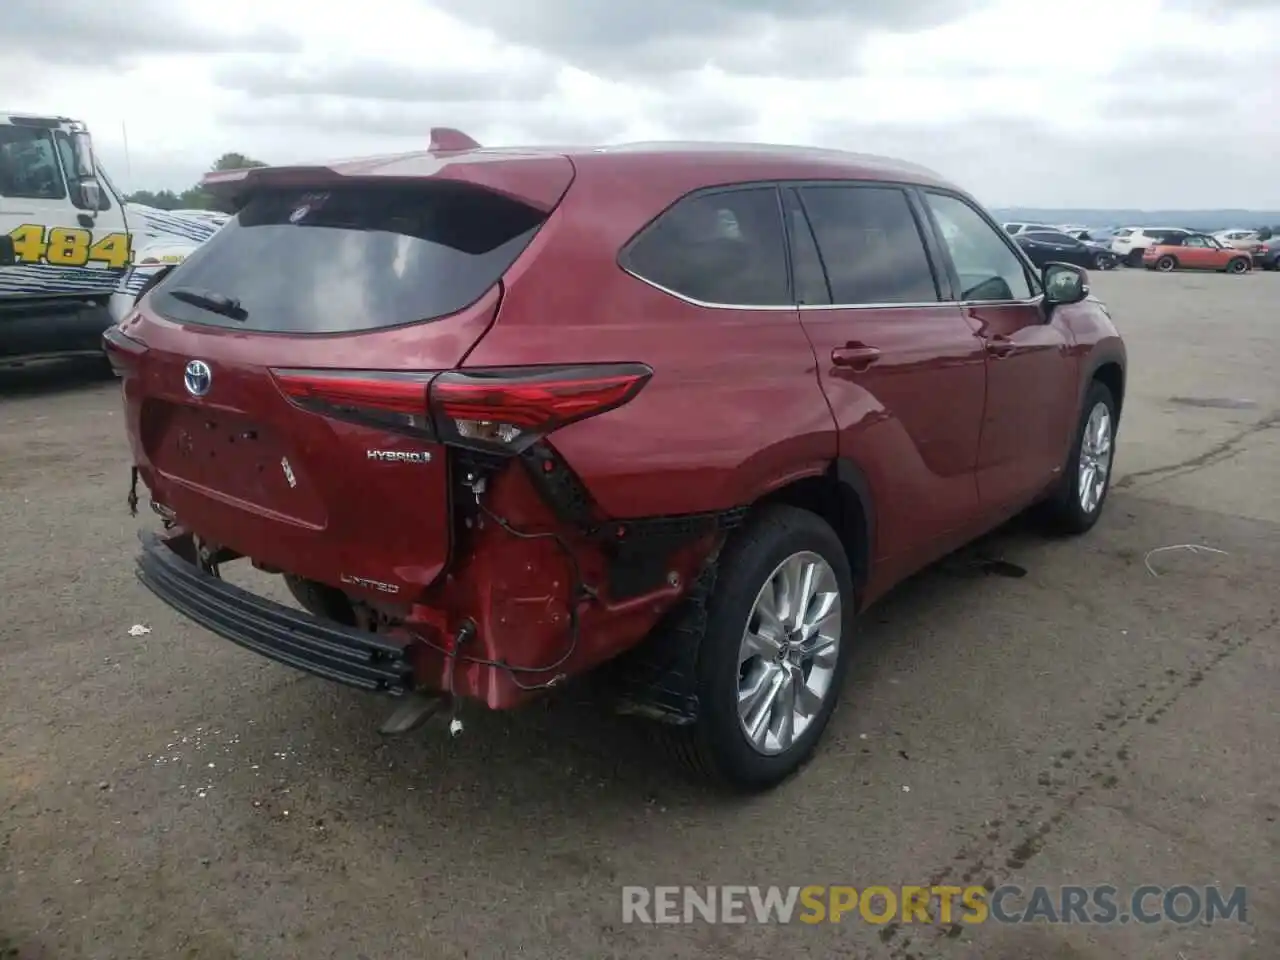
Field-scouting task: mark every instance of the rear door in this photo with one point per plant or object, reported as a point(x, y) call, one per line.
point(281, 402)
point(1200, 253)
point(1031, 378)
point(900, 366)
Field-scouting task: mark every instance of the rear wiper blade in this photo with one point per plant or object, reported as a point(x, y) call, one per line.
point(213, 302)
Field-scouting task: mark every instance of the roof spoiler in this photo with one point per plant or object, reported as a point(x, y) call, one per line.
point(230, 185)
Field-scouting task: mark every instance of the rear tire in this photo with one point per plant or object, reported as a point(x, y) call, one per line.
point(757, 564)
point(1069, 510)
point(1166, 264)
point(1238, 265)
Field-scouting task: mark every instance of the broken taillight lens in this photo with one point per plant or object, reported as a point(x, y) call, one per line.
point(496, 409)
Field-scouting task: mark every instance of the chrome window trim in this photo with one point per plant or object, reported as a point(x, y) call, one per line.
point(1033, 301)
point(703, 303)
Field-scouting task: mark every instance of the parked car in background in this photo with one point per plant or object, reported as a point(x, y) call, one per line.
point(1238, 239)
point(1050, 246)
point(1102, 235)
point(1266, 254)
point(1196, 251)
point(356, 384)
point(1131, 243)
point(1013, 229)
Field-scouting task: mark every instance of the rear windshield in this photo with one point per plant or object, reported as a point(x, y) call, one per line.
point(351, 258)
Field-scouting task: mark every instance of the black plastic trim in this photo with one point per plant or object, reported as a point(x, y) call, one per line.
point(659, 678)
point(638, 549)
point(560, 488)
point(345, 655)
point(849, 475)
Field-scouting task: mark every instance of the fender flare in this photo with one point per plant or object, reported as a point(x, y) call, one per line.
point(1109, 351)
point(859, 532)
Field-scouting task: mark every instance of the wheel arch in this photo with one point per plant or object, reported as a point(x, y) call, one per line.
point(841, 496)
point(1111, 375)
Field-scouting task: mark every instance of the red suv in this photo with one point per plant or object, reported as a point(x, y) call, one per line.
point(500, 418)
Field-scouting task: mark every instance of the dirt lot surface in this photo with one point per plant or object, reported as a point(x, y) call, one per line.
point(170, 795)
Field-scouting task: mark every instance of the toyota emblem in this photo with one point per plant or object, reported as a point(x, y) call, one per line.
point(198, 378)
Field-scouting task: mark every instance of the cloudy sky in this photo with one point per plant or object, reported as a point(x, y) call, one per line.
point(1099, 103)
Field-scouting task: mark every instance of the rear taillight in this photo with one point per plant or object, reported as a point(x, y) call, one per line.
point(508, 409)
point(498, 409)
point(396, 401)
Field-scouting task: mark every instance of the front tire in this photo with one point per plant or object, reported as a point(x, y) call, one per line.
point(1238, 265)
point(775, 651)
point(1082, 491)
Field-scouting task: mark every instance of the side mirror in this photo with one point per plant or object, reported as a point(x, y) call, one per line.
point(85, 174)
point(8, 255)
point(1064, 283)
point(82, 151)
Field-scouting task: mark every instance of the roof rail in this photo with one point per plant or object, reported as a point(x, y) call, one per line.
point(444, 139)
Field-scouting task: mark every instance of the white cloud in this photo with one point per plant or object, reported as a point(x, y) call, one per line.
point(1164, 103)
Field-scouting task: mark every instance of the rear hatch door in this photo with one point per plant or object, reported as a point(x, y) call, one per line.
point(281, 401)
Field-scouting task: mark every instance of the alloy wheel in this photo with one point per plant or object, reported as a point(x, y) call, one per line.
point(1095, 458)
point(789, 650)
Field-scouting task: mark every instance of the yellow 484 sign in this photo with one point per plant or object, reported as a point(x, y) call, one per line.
point(69, 246)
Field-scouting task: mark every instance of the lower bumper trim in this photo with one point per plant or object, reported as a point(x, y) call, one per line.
point(335, 652)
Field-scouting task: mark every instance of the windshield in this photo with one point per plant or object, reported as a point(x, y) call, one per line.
point(359, 257)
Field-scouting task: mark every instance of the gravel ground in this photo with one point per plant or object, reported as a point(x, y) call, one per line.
point(170, 795)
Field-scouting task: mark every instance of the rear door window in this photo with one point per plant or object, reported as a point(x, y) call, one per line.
point(356, 257)
point(870, 244)
point(724, 248)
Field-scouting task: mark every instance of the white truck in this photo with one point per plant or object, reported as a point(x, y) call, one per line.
point(73, 253)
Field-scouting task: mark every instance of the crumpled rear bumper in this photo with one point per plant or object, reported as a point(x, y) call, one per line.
point(347, 655)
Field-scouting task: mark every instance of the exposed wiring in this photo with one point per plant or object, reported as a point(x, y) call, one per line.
point(579, 590)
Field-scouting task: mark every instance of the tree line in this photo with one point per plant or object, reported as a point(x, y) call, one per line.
point(193, 198)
